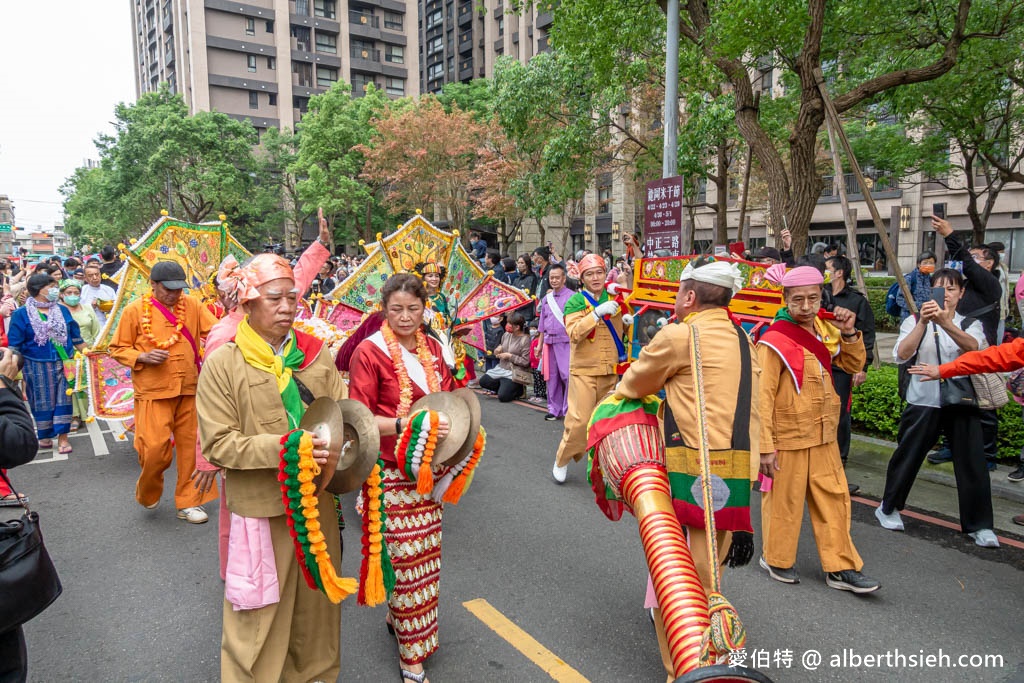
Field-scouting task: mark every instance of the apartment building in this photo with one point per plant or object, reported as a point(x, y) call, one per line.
point(8, 247)
point(262, 60)
point(460, 40)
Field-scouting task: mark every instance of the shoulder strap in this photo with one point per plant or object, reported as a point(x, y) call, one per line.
point(966, 322)
point(741, 420)
point(304, 393)
point(978, 312)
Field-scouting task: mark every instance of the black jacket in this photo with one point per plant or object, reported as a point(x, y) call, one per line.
point(18, 444)
point(981, 291)
point(852, 300)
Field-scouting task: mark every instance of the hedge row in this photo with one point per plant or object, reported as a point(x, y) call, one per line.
point(877, 407)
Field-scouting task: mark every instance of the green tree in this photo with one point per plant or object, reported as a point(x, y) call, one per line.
point(87, 218)
point(330, 161)
point(278, 152)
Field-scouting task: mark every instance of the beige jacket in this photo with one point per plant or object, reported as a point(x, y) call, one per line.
point(242, 420)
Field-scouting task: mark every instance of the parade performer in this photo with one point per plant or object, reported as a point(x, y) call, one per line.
point(442, 321)
point(389, 371)
point(593, 322)
point(96, 293)
point(229, 288)
point(731, 370)
point(158, 337)
point(799, 421)
point(251, 401)
point(554, 340)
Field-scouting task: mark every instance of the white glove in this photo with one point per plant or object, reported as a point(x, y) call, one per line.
point(608, 308)
point(627, 319)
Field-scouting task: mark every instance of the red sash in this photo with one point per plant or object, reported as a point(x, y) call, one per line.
point(173, 320)
point(789, 341)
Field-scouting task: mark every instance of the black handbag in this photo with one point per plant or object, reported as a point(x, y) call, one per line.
point(955, 391)
point(28, 580)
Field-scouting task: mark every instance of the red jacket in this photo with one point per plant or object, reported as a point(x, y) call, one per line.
point(1002, 358)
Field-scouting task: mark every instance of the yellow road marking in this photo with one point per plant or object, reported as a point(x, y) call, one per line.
point(524, 642)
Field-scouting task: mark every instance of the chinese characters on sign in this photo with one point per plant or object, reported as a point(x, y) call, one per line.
point(663, 216)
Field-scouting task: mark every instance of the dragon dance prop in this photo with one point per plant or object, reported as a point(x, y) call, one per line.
point(198, 248)
point(474, 295)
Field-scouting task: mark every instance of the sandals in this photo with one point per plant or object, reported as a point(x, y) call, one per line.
point(46, 443)
point(414, 677)
point(13, 501)
point(64, 450)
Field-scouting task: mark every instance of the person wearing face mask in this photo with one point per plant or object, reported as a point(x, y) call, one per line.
point(919, 281)
point(494, 328)
point(46, 335)
point(89, 324)
point(512, 374)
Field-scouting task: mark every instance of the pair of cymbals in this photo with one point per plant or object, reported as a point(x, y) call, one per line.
point(462, 407)
point(353, 442)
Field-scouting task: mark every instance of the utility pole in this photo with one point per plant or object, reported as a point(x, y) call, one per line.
point(669, 164)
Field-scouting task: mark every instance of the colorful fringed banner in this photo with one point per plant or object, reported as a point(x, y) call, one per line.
point(376, 573)
point(414, 452)
point(296, 474)
point(462, 472)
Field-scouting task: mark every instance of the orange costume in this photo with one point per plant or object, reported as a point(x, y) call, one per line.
point(165, 394)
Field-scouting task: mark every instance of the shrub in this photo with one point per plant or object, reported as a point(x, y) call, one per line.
point(877, 407)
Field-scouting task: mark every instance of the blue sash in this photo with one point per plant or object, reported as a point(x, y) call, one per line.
point(619, 346)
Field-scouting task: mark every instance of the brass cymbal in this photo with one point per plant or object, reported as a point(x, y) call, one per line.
point(324, 419)
point(470, 397)
point(360, 448)
point(457, 410)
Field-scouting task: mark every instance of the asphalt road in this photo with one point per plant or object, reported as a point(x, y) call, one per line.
point(142, 598)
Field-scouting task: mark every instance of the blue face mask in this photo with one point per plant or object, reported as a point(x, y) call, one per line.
point(52, 294)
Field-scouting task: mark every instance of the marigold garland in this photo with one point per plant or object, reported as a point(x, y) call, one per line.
point(463, 471)
point(147, 322)
point(425, 476)
point(404, 382)
point(376, 573)
point(298, 470)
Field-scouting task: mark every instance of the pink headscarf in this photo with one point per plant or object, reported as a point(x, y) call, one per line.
point(591, 261)
point(241, 282)
point(797, 277)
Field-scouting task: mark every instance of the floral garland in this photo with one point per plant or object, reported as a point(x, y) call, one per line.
point(462, 473)
point(404, 382)
point(414, 451)
point(297, 472)
point(147, 322)
point(376, 573)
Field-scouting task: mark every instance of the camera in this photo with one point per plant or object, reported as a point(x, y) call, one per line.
point(18, 358)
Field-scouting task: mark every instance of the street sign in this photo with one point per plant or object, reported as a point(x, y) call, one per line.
point(6, 227)
point(663, 216)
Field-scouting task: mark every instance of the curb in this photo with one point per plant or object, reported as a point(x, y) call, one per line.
point(874, 453)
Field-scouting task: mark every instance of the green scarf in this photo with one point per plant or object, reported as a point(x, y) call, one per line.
point(257, 353)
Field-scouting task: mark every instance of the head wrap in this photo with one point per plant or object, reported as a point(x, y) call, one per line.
point(591, 261)
point(720, 273)
point(431, 267)
point(241, 283)
point(64, 284)
point(797, 277)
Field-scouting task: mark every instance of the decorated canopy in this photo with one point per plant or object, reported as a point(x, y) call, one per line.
point(473, 294)
point(199, 249)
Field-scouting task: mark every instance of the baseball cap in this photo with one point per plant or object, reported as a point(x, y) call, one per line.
point(169, 274)
point(768, 252)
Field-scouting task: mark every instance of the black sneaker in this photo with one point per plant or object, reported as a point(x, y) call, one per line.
point(940, 456)
point(853, 488)
point(851, 580)
point(1017, 474)
point(550, 418)
point(782, 575)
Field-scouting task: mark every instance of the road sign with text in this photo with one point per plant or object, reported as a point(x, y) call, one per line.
point(663, 216)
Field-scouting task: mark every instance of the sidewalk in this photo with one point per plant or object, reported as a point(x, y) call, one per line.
point(935, 487)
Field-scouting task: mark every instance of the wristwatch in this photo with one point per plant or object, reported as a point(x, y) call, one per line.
point(398, 426)
point(848, 336)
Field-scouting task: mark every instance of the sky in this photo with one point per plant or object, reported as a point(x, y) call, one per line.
point(64, 65)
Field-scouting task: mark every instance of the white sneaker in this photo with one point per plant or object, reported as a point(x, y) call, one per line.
point(559, 473)
point(985, 538)
point(193, 515)
point(891, 521)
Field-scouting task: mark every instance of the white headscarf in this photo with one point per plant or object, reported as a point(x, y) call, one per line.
point(721, 273)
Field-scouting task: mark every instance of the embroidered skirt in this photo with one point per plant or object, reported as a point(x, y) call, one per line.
point(413, 535)
point(51, 405)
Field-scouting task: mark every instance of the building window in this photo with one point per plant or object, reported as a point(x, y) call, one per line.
point(395, 86)
point(301, 35)
point(272, 63)
point(501, 26)
point(451, 66)
point(394, 54)
point(272, 99)
point(359, 83)
point(305, 73)
point(604, 199)
point(325, 8)
point(393, 22)
point(434, 18)
point(435, 71)
point(435, 45)
point(326, 76)
point(250, 62)
point(326, 42)
point(250, 26)
point(270, 25)
point(254, 99)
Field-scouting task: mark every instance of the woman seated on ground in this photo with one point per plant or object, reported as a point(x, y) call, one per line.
point(512, 373)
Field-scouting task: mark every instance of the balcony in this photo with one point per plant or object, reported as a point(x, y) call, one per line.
point(169, 58)
point(168, 21)
point(466, 43)
point(365, 54)
point(304, 80)
point(884, 186)
point(465, 15)
point(466, 74)
point(543, 20)
point(363, 19)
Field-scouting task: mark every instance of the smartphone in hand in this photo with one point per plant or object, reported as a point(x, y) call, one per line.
point(939, 296)
point(939, 209)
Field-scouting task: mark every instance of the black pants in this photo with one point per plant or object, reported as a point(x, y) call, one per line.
point(506, 388)
point(919, 428)
point(13, 656)
point(990, 433)
point(843, 382)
